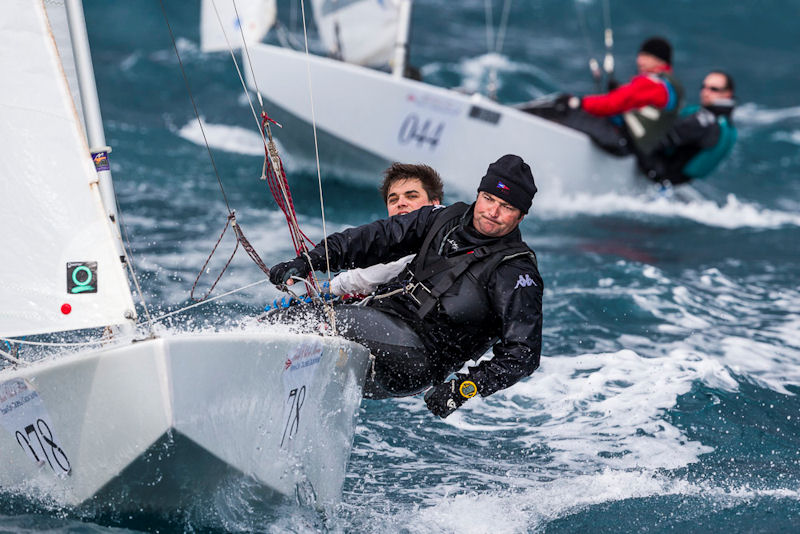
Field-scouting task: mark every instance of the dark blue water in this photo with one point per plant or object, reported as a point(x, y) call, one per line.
point(667, 399)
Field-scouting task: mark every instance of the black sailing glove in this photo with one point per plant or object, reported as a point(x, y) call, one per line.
point(445, 398)
point(282, 272)
point(565, 102)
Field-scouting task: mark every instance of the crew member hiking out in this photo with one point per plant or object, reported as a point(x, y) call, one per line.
point(406, 187)
point(633, 117)
point(701, 138)
point(473, 284)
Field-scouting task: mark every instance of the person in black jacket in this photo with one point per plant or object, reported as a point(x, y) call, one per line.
point(700, 139)
point(473, 284)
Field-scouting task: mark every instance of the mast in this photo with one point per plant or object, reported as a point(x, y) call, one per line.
point(91, 111)
point(401, 45)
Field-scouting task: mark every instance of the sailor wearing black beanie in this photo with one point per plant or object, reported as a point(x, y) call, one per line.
point(510, 179)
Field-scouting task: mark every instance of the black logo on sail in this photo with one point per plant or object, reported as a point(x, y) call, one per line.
point(81, 277)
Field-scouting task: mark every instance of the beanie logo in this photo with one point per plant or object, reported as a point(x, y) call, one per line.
point(504, 187)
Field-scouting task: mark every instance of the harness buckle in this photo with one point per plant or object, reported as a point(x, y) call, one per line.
point(412, 290)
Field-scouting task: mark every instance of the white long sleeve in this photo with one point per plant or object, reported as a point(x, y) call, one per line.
point(365, 281)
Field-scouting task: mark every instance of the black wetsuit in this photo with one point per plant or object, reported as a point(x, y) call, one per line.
point(699, 133)
point(496, 299)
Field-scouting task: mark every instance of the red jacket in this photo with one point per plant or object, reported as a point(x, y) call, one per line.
point(641, 91)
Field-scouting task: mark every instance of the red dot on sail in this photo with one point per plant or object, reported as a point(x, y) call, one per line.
point(66, 308)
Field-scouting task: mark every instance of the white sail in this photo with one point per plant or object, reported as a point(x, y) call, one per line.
point(358, 31)
point(59, 268)
point(255, 18)
point(57, 16)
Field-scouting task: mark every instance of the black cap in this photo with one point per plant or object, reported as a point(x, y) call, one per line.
point(510, 179)
point(658, 47)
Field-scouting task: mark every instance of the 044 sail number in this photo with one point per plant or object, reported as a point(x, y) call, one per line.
point(422, 131)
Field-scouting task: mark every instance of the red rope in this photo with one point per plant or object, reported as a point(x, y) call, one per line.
point(277, 182)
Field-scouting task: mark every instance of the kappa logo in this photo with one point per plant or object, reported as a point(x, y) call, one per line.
point(525, 281)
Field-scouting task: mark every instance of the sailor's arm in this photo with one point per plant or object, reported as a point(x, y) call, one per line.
point(365, 281)
point(640, 92)
point(516, 290)
point(377, 242)
point(516, 293)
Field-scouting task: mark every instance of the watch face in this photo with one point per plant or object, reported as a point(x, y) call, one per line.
point(467, 389)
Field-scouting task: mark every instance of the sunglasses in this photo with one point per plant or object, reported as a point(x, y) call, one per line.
point(714, 89)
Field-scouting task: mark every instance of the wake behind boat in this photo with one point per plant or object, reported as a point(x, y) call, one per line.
point(143, 423)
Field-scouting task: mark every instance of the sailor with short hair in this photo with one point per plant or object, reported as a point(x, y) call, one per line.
point(700, 139)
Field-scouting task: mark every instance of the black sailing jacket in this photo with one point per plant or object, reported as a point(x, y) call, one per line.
point(483, 307)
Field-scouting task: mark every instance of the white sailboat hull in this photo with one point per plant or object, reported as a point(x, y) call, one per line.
point(459, 135)
point(163, 422)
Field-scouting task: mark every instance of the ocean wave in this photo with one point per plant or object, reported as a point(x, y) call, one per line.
point(753, 114)
point(733, 214)
point(225, 137)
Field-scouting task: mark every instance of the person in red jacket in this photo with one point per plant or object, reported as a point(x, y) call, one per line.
point(631, 118)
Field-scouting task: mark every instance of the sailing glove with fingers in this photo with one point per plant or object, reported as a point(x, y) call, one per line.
point(280, 273)
point(444, 399)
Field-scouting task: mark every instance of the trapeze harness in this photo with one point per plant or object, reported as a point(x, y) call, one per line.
point(430, 275)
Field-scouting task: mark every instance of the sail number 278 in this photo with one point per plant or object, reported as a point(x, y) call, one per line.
point(421, 131)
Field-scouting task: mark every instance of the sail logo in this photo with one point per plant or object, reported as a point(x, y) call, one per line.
point(81, 277)
point(100, 160)
point(504, 187)
point(525, 281)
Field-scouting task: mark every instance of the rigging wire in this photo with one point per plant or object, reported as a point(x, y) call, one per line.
point(194, 106)
point(128, 251)
point(494, 45)
point(608, 37)
point(594, 66)
point(501, 32)
point(273, 171)
point(487, 8)
point(277, 185)
point(316, 155)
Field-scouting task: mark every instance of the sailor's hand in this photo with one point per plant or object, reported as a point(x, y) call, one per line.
point(565, 102)
point(282, 273)
point(444, 399)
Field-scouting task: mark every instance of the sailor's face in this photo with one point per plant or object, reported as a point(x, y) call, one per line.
point(407, 195)
point(648, 63)
point(714, 88)
point(494, 217)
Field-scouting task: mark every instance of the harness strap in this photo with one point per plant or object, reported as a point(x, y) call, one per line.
point(448, 214)
point(452, 268)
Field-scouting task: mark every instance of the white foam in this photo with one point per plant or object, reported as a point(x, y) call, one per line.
point(733, 214)
point(753, 114)
point(790, 137)
point(224, 137)
point(532, 504)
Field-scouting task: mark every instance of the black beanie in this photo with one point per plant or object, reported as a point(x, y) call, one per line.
point(510, 179)
point(658, 47)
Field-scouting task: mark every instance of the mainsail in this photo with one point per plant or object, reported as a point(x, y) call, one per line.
point(60, 267)
point(358, 31)
point(253, 18)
